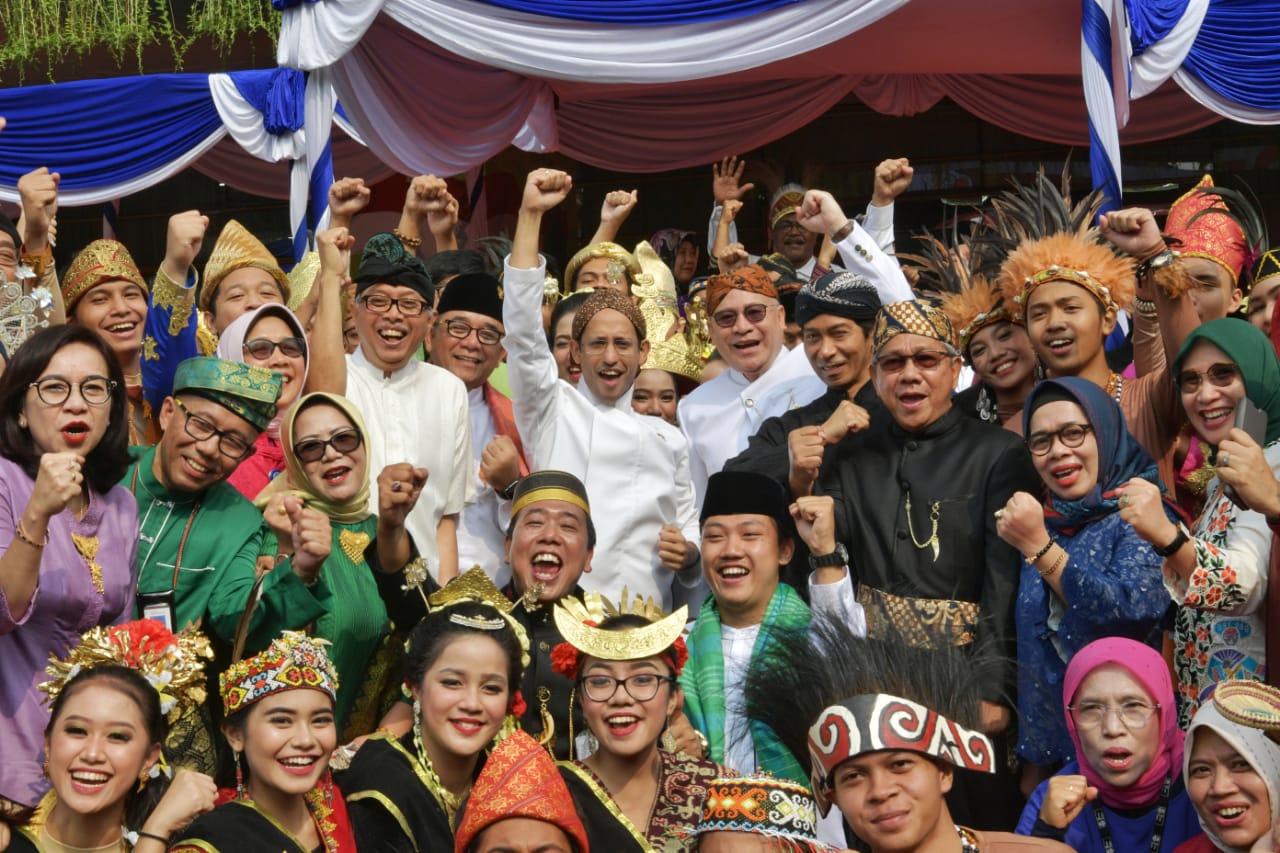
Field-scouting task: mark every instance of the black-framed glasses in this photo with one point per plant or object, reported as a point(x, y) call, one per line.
point(342, 441)
point(925, 359)
point(230, 444)
point(380, 303)
point(261, 348)
point(755, 314)
point(1071, 435)
point(54, 390)
point(1220, 375)
point(1134, 715)
point(459, 329)
point(641, 687)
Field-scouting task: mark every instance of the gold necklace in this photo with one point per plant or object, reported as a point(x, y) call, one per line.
point(932, 541)
point(1115, 384)
point(448, 800)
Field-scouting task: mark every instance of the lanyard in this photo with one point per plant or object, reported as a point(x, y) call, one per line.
point(186, 531)
point(1157, 833)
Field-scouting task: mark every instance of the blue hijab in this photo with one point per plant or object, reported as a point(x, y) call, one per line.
point(1120, 457)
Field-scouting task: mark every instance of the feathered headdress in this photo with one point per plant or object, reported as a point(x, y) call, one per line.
point(970, 298)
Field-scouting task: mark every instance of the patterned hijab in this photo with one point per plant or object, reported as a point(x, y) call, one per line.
point(1252, 352)
point(297, 484)
point(1120, 457)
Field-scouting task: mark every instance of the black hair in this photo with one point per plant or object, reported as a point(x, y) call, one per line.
point(568, 305)
point(474, 846)
point(454, 262)
point(129, 682)
point(106, 464)
point(438, 629)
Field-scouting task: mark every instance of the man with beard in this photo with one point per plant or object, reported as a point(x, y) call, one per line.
point(635, 467)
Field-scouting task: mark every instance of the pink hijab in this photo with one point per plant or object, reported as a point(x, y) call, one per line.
point(1151, 671)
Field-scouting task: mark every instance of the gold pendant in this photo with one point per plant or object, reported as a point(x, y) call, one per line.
point(937, 548)
point(88, 548)
point(532, 598)
point(353, 543)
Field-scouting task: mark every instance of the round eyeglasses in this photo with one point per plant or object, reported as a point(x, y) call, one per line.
point(1071, 435)
point(641, 687)
point(54, 390)
point(1134, 715)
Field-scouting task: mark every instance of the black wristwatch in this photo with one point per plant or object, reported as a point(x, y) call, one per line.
point(838, 557)
point(1178, 541)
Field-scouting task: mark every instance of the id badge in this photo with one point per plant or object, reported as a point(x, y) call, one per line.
point(158, 606)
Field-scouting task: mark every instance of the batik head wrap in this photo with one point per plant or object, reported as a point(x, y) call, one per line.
point(1150, 670)
point(386, 261)
point(1249, 348)
point(1120, 457)
point(777, 809)
point(293, 661)
point(1203, 232)
point(297, 484)
point(238, 249)
point(912, 317)
point(843, 294)
point(98, 263)
point(519, 780)
point(1223, 716)
point(604, 298)
point(752, 278)
point(243, 389)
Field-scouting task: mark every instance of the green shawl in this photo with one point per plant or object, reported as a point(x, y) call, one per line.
point(1253, 353)
point(703, 681)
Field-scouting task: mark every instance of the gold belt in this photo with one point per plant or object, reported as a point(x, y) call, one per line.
point(925, 623)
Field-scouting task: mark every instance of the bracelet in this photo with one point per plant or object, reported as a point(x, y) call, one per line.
point(1144, 306)
point(1053, 569)
point(411, 242)
point(22, 534)
point(1040, 553)
point(842, 232)
point(163, 839)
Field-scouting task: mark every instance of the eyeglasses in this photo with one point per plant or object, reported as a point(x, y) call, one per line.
point(1220, 375)
point(459, 329)
point(1071, 435)
point(1090, 715)
point(597, 346)
point(788, 225)
point(54, 390)
point(925, 359)
point(755, 315)
point(641, 687)
point(342, 441)
point(261, 348)
point(380, 303)
point(230, 444)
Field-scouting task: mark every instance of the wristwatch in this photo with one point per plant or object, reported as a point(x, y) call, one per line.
point(838, 557)
point(1178, 541)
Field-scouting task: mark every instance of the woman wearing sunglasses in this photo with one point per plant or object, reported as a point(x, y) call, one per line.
point(360, 579)
point(1086, 575)
point(1217, 571)
point(272, 337)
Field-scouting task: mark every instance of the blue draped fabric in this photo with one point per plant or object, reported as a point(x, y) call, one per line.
point(277, 93)
point(103, 132)
point(1097, 36)
point(1237, 52)
point(1151, 20)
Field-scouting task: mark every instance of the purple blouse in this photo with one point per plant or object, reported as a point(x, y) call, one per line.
point(65, 606)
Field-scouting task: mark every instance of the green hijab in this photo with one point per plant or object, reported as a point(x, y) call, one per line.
point(1253, 353)
point(294, 481)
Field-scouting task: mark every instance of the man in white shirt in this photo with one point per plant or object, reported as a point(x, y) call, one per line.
point(635, 467)
point(466, 340)
point(414, 412)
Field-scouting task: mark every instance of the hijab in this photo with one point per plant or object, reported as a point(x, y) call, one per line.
point(231, 343)
point(1147, 666)
point(1252, 353)
point(1120, 457)
point(1254, 746)
point(297, 484)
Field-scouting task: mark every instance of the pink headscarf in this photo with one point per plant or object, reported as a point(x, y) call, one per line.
point(1151, 671)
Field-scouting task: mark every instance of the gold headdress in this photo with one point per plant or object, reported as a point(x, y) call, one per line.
point(577, 621)
point(670, 349)
point(476, 586)
point(302, 278)
point(626, 268)
point(172, 663)
point(237, 249)
point(22, 314)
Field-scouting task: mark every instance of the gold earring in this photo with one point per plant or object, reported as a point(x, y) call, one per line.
point(22, 420)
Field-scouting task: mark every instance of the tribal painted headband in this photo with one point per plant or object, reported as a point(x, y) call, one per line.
point(876, 722)
point(293, 661)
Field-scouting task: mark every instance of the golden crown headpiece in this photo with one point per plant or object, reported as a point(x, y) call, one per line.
point(678, 351)
point(474, 585)
point(171, 663)
point(577, 621)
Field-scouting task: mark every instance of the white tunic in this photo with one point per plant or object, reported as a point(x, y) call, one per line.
point(635, 467)
point(482, 529)
point(418, 415)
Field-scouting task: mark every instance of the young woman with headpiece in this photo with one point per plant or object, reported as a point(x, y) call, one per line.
point(634, 794)
point(463, 664)
point(112, 700)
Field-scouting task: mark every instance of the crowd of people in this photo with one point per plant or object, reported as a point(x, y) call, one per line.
point(864, 542)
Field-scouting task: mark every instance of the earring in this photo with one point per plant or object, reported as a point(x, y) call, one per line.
point(592, 743)
point(240, 792)
point(142, 780)
point(45, 767)
point(22, 420)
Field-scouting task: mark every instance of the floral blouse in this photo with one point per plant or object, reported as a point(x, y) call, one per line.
point(1219, 629)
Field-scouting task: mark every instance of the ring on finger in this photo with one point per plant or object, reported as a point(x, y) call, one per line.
point(1124, 500)
point(396, 485)
point(1224, 460)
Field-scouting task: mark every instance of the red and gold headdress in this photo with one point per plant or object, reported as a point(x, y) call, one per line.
point(99, 262)
point(293, 661)
point(1204, 228)
point(172, 663)
point(578, 621)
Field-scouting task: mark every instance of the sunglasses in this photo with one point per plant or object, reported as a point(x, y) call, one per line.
point(925, 359)
point(1220, 375)
point(261, 348)
point(343, 441)
point(755, 315)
